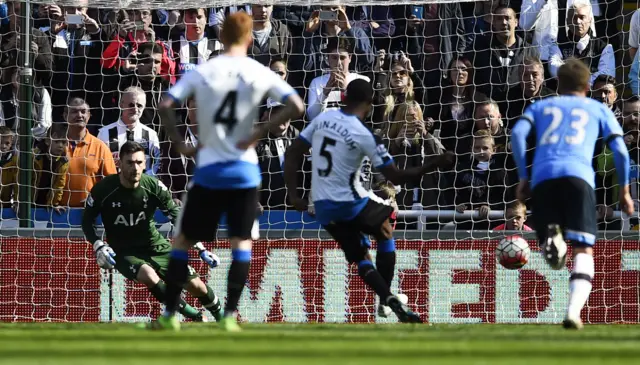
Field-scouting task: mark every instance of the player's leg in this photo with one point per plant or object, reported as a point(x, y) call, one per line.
point(198, 221)
point(351, 241)
point(138, 269)
point(580, 230)
point(548, 202)
point(205, 295)
point(242, 228)
point(194, 286)
point(149, 277)
point(375, 220)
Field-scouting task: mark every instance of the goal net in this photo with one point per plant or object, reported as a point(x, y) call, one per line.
point(448, 76)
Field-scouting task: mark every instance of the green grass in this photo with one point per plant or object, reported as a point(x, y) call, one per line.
point(307, 344)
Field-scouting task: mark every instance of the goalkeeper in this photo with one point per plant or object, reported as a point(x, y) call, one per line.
point(127, 203)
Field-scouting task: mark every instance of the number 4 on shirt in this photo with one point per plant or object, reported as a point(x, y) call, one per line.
point(227, 113)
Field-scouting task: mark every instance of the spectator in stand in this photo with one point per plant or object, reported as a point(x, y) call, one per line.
point(271, 152)
point(317, 37)
point(498, 56)
point(147, 77)
point(410, 142)
point(271, 37)
point(194, 46)
point(530, 89)
point(76, 50)
point(376, 21)
point(454, 109)
point(40, 46)
point(89, 158)
point(129, 128)
point(486, 116)
point(578, 42)
point(514, 217)
point(50, 167)
point(325, 91)
point(41, 105)
point(8, 167)
point(218, 15)
point(606, 174)
point(604, 90)
point(545, 18)
point(634, 35)
point(395, 83)
point(481, 182)
point(177, 169)
point(442, 29)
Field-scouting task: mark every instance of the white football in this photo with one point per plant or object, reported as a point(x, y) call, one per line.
point(513, 252)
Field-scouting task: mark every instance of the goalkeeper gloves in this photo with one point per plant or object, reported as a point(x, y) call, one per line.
point(207, 256)
point(104, 255)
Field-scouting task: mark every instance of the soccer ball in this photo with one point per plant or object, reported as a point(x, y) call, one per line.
point(513, 252)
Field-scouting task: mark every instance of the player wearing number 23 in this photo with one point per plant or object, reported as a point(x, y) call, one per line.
point(566, 129)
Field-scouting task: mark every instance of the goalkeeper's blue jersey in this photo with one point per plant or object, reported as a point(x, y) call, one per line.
point(566, 130)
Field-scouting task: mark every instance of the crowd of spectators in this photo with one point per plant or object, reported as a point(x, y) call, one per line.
point(448, 77)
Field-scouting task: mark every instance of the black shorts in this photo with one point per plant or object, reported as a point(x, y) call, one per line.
point(203, 208)
point(349, 234)
point(569, 202)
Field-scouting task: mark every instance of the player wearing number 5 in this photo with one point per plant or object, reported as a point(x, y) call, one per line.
point(339, 142)
point(562, 179)
point(228, 91)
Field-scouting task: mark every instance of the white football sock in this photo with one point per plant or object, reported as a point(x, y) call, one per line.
point(580, 284)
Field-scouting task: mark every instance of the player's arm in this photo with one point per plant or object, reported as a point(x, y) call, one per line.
point(292, 109)
point(612, 134)
point(176, 96)
point(104, 253)
point(519, 135)
point(292, 162)
point(383, 162)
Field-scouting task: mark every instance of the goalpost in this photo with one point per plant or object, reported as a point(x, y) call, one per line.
point(298, 274)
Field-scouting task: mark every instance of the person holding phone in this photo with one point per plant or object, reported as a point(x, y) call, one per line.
point(329, 22)
point(326, 91)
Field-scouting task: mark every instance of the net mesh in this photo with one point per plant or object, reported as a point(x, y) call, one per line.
point(441, 71)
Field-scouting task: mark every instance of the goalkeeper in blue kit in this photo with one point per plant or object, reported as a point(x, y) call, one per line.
point(562, 180)
point(127, 203)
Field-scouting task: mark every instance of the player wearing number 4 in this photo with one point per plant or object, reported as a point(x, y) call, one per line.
point(339, 142)
point(562, 179)
point(127, 203)
point(228, 90)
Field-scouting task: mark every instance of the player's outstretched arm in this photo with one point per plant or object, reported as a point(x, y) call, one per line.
point(292, 162)
point(398, 177)
point(293, 108)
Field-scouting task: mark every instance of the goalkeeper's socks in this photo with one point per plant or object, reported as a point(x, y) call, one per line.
point(176, 277)
point(386, 261)
point(580, 283)
point(159, 292)
point(372, 277)
point(238, 273)
point(211, 302)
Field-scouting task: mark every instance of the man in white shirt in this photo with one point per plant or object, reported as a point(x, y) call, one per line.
point(129, 128)
point(325, 92)
point(581, 44)
point(543, 18)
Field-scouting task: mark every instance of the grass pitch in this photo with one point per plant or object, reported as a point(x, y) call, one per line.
point(307, 344)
